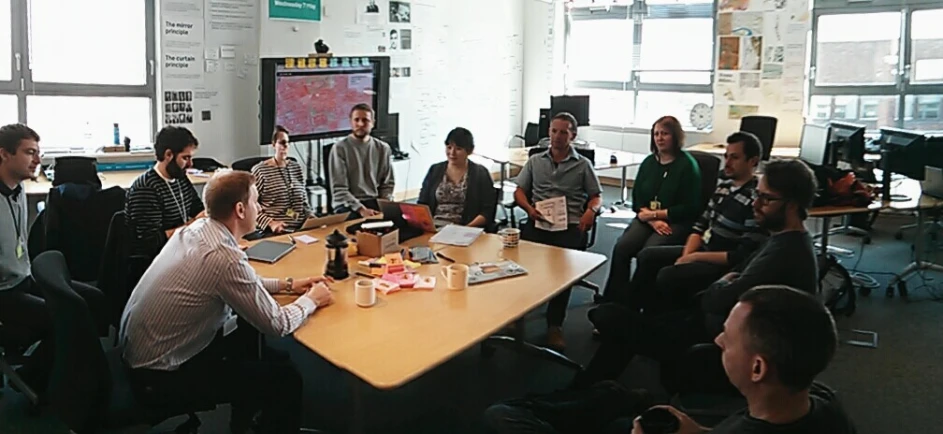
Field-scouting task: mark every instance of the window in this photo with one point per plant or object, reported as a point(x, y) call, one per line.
point(630, 59)
point(80, 71)
point(889, 59)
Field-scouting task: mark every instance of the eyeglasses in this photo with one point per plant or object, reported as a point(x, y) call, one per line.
point(764, 197)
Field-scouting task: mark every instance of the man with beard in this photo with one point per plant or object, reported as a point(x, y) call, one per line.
point(781, 202)
point(163, 199)
point(361, 167)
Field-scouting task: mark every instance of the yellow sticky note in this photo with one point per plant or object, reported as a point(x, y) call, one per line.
point(302, 63)
point(289, 63)
point(323, 62)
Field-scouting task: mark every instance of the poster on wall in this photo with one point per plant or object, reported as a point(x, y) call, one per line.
point(297, 10)
point(400, 11)
point(369, 12)
point(401, 39)
point(178, 107)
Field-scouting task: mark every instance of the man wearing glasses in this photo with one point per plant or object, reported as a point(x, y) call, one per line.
point(781, 202)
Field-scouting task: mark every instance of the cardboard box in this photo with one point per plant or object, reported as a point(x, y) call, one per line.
point(374, 246)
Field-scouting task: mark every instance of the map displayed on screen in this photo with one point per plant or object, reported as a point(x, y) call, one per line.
point(319, 101)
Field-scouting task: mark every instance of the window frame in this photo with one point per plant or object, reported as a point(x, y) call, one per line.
point(903, 86)
point(22, 85)
point(633, 83)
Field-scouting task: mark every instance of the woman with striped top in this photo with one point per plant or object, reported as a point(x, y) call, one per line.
point(281, 187)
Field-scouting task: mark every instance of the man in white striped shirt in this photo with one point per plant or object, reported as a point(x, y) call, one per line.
point(175, 326)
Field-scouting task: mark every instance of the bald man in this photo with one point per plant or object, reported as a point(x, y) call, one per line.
point(177, 328)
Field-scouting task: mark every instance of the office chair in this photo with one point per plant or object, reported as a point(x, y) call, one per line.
point(76, 224)
point(13, 342)
point(326, 169)
point(76, 170)
point(88, 388)
point(246, 164)
point(207, 164)
point(764, 127)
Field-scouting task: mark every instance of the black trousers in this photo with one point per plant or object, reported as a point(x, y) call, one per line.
point(626, 333)
point(23, 307)
point(659, 285)
point(572, 238)
point(638, 236)
point(230, 371)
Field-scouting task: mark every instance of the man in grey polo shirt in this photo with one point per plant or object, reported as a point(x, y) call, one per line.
point(560, 171)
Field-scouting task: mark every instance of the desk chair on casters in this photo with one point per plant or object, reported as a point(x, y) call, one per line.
point(88, 388)
point(13, 340)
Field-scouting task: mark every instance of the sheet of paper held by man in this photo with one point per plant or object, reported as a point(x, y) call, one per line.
point(554, 210)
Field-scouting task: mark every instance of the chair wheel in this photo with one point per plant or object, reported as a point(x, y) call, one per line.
point(864, 291)
point(889, 291)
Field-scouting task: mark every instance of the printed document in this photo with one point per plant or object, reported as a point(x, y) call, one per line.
point(456, 235)
point(554, 210)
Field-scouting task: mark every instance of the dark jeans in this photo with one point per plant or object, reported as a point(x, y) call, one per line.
point(639, 235)
point(229, 371)
point(23, 307)
point(572, 238)
point(606, 407)
point(625, 333)
point(659, 285)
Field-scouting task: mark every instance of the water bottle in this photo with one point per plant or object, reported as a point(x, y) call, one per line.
point(117, 135)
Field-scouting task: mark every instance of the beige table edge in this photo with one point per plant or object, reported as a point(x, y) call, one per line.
point(120, 178)
point(332, 332)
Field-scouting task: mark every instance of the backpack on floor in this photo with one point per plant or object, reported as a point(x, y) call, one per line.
point(836, 287)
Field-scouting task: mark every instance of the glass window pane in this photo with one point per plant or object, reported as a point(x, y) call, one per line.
point(872, 111)
point(6, 34)
point(74, 42)
point(608, 107)
point(88, 122)
point(600, 50)
point(925, 113)
point(857, 49)
point(9, 113)
point(927, 54)
point(662, 53)
point(653, 105)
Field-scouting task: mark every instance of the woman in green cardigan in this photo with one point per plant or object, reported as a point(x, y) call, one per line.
point(666, 198)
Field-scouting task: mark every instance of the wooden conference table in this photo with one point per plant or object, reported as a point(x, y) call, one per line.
point(120, 178)
point(721, 148)
point(408, 333)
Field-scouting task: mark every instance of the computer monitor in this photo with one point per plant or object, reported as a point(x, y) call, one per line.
point(813, 147)
point(576, 105)
point(935, 150)
point(903, 152)
point(846, 143)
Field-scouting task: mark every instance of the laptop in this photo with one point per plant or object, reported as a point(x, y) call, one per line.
point(933, 182)
point(318, 222)
point(269, 251)
point(411, 219)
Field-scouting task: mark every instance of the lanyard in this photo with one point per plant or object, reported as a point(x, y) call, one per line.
point(660, 182)
point(180, 205)
point(16, 219)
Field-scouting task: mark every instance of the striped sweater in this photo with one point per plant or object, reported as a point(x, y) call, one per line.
point(728, 217)
point(155, 205)
point(282, 194)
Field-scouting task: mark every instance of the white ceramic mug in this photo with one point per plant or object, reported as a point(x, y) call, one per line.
point(456, 276)
point(511, 237)
point(364, 293)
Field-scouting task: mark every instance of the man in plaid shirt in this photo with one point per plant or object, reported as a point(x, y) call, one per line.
point(724, 235)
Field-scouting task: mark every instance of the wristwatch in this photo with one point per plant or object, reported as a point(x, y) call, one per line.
point(291, 283)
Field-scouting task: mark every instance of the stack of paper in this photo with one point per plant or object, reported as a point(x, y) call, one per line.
point(554, 211)
point(456, 235)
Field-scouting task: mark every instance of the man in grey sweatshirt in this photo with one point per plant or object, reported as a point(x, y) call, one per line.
point(361, 167)
point(22, 307)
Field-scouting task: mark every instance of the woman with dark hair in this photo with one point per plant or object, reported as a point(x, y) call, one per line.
point(281, 185)
point(459, 191)
point(666, 198)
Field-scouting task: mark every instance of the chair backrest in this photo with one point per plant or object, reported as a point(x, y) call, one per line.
point(246, 164)
point(531, 134)
point(710, 171)
point(764, 127)
point(76, 170)
point(113, 275)
point(77, 220)
point(326, 172)
point(588, 153)
point(207, 164)
point(79, 383)
point(36, 241)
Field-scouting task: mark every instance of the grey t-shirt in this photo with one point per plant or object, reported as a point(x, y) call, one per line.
point(360, 171)
point(825, 416)
point(14, 258)
point(573, 178)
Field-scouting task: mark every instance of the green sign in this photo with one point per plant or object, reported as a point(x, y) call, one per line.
point(303, 10)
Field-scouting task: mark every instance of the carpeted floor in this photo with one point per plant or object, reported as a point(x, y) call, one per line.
point(893, 388)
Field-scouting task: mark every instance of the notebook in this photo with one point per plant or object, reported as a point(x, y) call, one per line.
point(269, 251)
point(490, 271)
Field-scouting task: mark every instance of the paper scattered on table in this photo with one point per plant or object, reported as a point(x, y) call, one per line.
point(554, 210)
point(425, 282)
point(306, 239)
point(456, 235)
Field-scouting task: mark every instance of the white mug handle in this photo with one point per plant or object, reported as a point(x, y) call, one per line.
point(444, 275)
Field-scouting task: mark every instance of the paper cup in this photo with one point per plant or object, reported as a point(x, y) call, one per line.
point(364, 293)
point(510, 237)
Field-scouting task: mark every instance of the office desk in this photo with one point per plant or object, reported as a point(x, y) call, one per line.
point(409, 333)
point(720, 148)
point(518, 157)
point(921, 203)
point(120, 178)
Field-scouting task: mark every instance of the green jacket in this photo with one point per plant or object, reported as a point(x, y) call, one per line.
point(677, 186)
